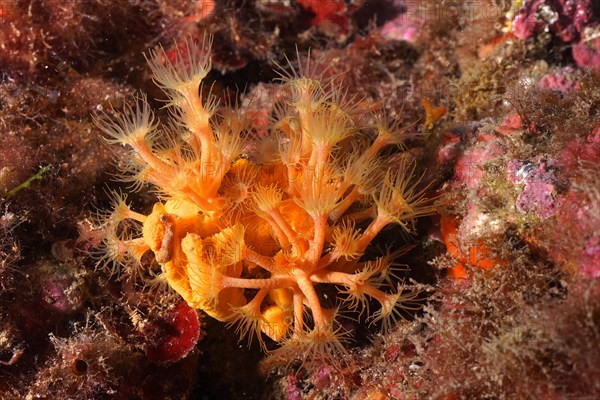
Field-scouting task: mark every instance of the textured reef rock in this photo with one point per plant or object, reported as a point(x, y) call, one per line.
point(498, 101)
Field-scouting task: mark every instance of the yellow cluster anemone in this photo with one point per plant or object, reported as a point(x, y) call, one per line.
point(251, 247)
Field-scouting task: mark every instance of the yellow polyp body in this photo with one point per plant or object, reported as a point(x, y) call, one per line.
point(202, 284)
point(205, 278)
point(177, 276)
point(189, 218)
point(250, 229)
point(276, 322)
point(282, 297)
point(273, 174)
point(298, 218)
point(158, 232)
point(259, 235)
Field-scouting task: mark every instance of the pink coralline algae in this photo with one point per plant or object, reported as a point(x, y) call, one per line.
point(451, 147)
point(581, 152)
point(405, 26)
point(562, 81)
point(293, 391)
point(565, 18)
point(470, 166)
point(539, 187)
point(587, 53)
point(579, 209)
point(571, 21)
point(580, 205)
point(590, 259)
point(55, 294)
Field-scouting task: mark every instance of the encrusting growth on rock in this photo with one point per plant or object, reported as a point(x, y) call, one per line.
point(251, 238)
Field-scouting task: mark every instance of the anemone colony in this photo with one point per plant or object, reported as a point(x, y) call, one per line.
point(249, 226)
